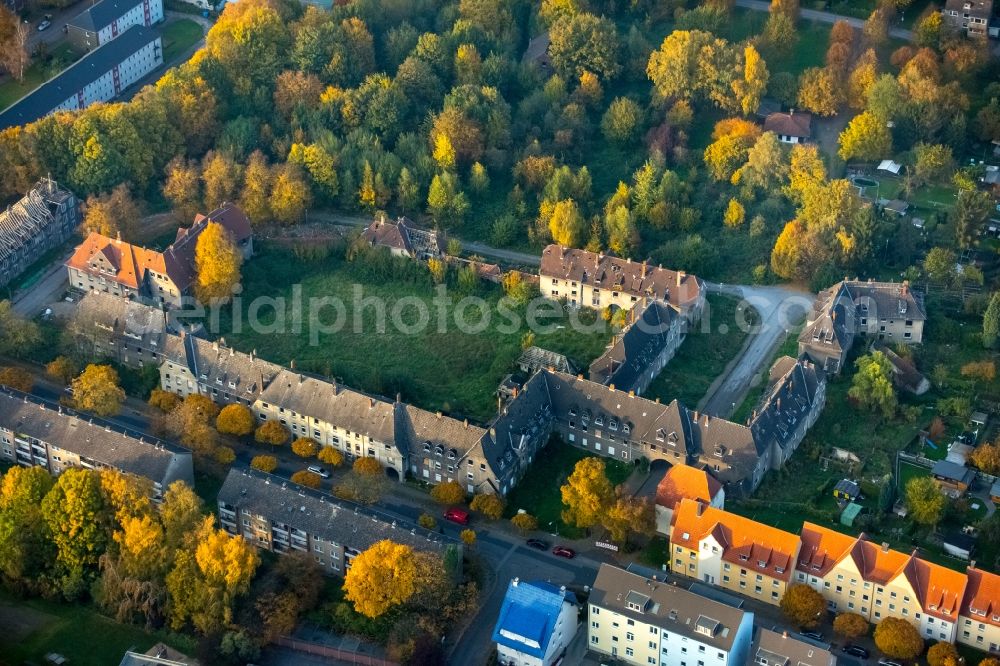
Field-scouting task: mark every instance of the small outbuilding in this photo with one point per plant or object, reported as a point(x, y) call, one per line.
point(952, 477)
point(847, 490)
point(850, 514)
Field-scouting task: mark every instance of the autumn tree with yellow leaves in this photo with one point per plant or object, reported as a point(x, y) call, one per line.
point(96, 390)
point(217, 263)
point(586, 493)
point(112, 214)
point(191, 423)
point(381, 578)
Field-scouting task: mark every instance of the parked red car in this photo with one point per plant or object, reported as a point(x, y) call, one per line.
point(563, 551)
point(459, 516)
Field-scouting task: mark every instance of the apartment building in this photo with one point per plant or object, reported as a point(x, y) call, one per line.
point(99, 76)
point(857, 575)
point(638, 354)
point(794, 399)
point(647, 622)
point(189, 364)
point(594, 280)
point(685, 482)
point(105, 20)
point(163, 278)
point(356, 424)
point(120, 329)
point(277, 515)
point(887, 311)
point(969, 16)
point(34, 431)
point(979, 617)
point(41, 220)
point(732, 552)
point(773, 649)
point(536, 624)
point(623, 425)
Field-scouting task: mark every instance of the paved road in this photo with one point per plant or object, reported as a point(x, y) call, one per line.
point(824, 17)
point(472, 247)
point(781, 309)
point(54, 33)
point(29, 302)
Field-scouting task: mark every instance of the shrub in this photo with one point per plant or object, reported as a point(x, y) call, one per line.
point(305, 447)
point(524, 522)
point(450, 492)
point(330, 456)
point(165, 401)
point(304, 477)
point(850, 625)
point(224, 455)
point(468, 537)
point(235, 419)
point(367, 466)
point(271, 432)
point(63, 369)
point(898, 638)
point(264, 463)
point(427, 521)
point(490, 506)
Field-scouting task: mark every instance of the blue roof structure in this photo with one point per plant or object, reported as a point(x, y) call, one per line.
point(528, 616)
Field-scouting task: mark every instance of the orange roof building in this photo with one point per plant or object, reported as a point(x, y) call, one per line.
point(687, 482)
point(979, 615)
point(730, 550)
point(107, 265)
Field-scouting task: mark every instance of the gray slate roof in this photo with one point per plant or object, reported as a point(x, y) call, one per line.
point(77, 76)
point(100, 15)
point(667, 606)
point(221, 366)
point(634, 349)
point(320, 514)
point(953, 472)
point(27, 218)
point(46, 421)
point(791, 394)
point(124, 317)
point(773, 649)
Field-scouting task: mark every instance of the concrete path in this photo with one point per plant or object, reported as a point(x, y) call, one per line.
point(781, 308)
point(824, 17)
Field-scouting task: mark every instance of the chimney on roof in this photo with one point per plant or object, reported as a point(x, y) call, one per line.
point(291, 364)
point(611, 387)
point(680, 277)
point(657, 399)
point(253, 354)
point(515, 581)
point(631, 394)
point(371, 403)
point(791, 112)
point(699, 508)
point(784, 634)
point(644, 268)
point(399, 398)
point(215, 346)
point(466, 424)
point(580, 376)
point(334, 385)
point(439, 413)
point(885, 546)
point(972, 564)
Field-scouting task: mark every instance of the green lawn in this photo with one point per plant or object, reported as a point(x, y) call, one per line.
point(703, 355)
point(35, 627)
point(538, 492)
point(432, 367)
point(179, 36)
point(34, 76)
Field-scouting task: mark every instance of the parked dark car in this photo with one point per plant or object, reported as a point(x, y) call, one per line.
point(538, 544)
point(856, 651)
point(815, 635)
point(563, 551)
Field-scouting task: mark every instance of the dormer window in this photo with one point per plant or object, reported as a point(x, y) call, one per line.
point(613, 424)
point(761, 563)
point(626, 428)
point(599, 420)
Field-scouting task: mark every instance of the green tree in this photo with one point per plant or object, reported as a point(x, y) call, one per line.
point(19, 336)
point(26, 548)
point(255, 197)
point(991, 321)
point(939, 264)
point(586, 493)
point(924, 500)
point(820, 91)
point(623, 236)
point(896, 637)
point(803, 606)
point(928, 30)
point(96, 390)
point(933, 162)
point(866, 138)
point(78, 520)
point(622, 120)
point(585, 43)
point(872, 385)
point(971, 211)
point(445, 200)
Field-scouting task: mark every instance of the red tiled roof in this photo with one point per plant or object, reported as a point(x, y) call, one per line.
point(686, 482)
point(822, 548)
point(982, 597)
point(745, 543)
point(789, 124)
point(940, 589)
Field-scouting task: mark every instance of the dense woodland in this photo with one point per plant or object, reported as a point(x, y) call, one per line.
point(429, 108)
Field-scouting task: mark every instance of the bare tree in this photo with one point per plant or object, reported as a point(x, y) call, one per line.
point(14, 35)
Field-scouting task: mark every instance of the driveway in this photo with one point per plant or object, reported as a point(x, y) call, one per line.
point(781, 309)
point(29, 302)
point(824, 17)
